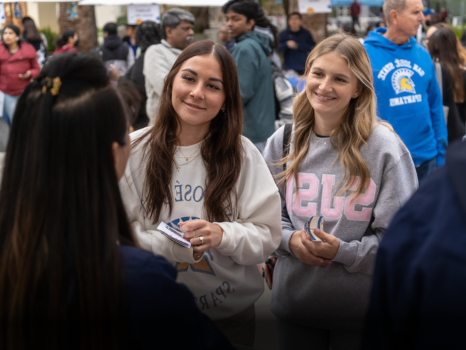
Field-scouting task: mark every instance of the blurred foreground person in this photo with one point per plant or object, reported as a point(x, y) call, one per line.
point(340, 168)
point(194, 171)
point(417, 299)
point(71, 275)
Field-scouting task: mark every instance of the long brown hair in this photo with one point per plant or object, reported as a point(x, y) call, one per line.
point(221, 151)
point(358, 120)
point(61, 213)
point(442, 46)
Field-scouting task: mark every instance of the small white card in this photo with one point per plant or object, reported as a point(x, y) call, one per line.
point(174, 234)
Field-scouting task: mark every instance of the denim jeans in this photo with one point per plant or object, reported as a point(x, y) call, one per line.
point(9, 106)
point(425, 169)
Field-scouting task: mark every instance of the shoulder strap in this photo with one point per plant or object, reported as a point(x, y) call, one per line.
point(438, 73)
point(286, 142)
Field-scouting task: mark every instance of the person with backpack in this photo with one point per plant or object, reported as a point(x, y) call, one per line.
point(340, 171)
point(114, 52)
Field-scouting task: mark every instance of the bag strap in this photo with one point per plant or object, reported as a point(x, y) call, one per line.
point(438, 73)
point(286, 142)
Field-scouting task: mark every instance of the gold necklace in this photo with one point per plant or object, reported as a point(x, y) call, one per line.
point(324, 143)
point(178, 166)
point(187, 158)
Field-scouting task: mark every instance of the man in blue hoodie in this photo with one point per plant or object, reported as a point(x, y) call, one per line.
point(251, 54)
point(408, 94)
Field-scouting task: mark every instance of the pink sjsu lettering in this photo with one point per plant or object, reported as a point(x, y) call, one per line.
point(308, 184)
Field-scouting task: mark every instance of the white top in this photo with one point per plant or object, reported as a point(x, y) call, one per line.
point(226, 280)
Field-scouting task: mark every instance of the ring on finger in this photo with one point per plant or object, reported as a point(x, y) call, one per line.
point(202, 240)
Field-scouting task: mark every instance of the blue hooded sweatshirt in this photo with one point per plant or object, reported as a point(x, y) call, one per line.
point(408, 95)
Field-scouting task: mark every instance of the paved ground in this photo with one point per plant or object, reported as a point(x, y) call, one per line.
point(266, 329)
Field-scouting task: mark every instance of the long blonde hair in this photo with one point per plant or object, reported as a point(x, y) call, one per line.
point(358, 120)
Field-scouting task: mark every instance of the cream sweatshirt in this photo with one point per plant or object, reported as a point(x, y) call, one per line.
point(226, 280)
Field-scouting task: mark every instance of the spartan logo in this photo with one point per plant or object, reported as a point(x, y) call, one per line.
point(202, 266)
point(401, 81)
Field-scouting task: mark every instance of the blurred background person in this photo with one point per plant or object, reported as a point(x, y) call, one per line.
point(264, 26)
point(78, 280)
point(225, 38)
point(130, 38)
point(32, 35)
point(443, 48)
point(18, 65)
point(147, 34)
point(355, 10)
point(177, 34)
point(114, 52)
point(295, 42)
point(68, 41)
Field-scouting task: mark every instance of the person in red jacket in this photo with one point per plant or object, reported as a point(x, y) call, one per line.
point(18, 65)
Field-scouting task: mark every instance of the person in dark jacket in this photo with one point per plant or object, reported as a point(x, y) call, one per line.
point(417, 299)
point(78, 280)
point(115, 52)
point(295, 42)
point(18, 65)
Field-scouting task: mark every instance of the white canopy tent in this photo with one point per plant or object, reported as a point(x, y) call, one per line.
point(211, 3)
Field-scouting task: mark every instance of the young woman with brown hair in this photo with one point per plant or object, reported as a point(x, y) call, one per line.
point(352, 170)
point(441, 46)
point(194, 171)
point(71, 275)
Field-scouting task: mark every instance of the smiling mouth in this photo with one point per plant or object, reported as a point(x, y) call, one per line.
point(193, 106)
point(322, 97)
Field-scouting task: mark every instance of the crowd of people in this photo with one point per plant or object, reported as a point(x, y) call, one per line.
point(145, 182)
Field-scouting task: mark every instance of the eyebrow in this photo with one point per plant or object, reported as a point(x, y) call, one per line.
point(193, 72)
point(338, 74)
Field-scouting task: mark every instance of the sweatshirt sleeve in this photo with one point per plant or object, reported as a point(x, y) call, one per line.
point(256, 232)
point(273, 152)
point(398, 183)
point(438, 118)
point(151, 240)
point(248, 66)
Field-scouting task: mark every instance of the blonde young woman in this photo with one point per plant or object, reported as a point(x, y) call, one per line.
point(349, 168)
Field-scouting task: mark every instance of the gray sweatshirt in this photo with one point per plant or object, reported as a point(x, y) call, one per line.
point(336, 296)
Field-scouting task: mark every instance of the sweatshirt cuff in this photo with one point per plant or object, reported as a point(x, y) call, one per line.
point(285, 243)
point(183, 254)
point(224, 246)
point(346, 254)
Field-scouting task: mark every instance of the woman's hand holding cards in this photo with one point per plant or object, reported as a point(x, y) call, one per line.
point(202, 234)
point(303, 253)
point(327, 249)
